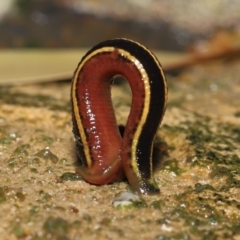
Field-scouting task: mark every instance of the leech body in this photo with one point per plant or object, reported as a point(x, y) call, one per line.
point(105, 156)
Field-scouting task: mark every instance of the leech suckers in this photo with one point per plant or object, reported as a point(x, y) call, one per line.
point(104, 155)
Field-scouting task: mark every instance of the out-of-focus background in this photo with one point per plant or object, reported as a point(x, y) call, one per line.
point(160, 24)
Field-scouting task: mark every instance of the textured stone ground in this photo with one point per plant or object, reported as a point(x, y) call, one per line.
point(41, 197)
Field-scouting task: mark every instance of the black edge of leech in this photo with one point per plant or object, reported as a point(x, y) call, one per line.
point(81, 158)
point(151, 66)
point(78, 142)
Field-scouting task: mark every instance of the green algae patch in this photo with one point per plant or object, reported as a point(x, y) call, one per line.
point(172, 167)
point(48, 140)
point(56, 226)
point(202, 208)
point(45, 196)
point(86, 217)
point(7, 137)
point(201, 187)
point(34, 210)
point(69, 176)
point(178, 236)
point(156, 204)
point(21, 150)
point(237, 114)
point(206, 209)
point(215, 146)
point(3, 197)
point(46, 154)
point(18, 230)
point(12, 194)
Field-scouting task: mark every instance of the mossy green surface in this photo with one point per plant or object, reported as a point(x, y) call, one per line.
point(198, 173)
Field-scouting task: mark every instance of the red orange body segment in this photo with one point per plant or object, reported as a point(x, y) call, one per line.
point(105, 157)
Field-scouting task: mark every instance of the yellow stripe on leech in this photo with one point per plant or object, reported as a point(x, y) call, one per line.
point(165, 93)
point(76, 109)
point(145, 108)
point(146, 105)
point(159, 67)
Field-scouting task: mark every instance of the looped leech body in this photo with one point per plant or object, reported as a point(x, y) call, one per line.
point(105, 155)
